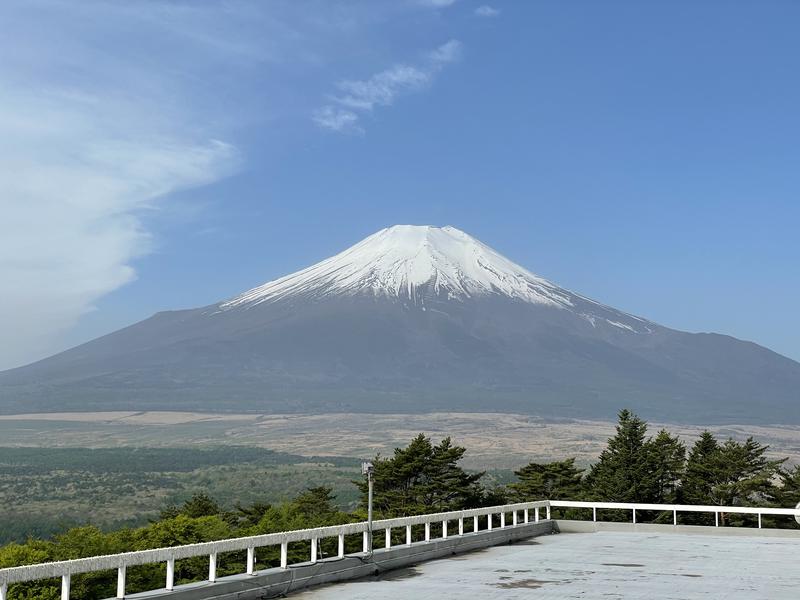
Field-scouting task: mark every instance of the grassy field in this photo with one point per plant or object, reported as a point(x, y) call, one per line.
point(44, 490)
point(114, 469)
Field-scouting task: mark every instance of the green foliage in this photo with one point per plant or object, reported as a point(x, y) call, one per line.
point(559, 480)
point(622, 473)
point(46, 491)
point(787, 494)
point(729, 474)
point(425, 477)
point(665, 457)
point(199, 505)
point(422, 478)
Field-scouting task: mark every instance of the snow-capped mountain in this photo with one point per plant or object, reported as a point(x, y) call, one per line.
point(417, 264)
point(413, 318)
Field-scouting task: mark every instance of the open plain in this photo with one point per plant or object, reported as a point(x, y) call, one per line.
point(493, 440)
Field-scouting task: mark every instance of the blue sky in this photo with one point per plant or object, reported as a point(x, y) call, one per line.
point(158, 155)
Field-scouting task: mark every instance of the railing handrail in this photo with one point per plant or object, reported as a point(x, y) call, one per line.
point(158, 555)
point(65, 569)
point(709, 508)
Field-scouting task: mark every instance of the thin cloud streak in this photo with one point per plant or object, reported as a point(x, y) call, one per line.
point(486, 11)
point(382, 89)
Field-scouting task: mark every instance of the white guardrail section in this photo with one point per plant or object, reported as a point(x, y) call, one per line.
point(676, 508)
point(521, 514)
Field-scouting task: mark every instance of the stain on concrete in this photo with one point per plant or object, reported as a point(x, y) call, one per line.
point(528, 584)
point(622, 565)
point(397, 574)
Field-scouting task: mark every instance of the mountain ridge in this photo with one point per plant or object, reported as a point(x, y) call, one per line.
point(412, 319)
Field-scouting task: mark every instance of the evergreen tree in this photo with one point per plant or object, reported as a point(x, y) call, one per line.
point(422, 478)
point(559, 480)
point(199, 505)
point(700, 473)
point(728, 474)
point(665, 458)
point(621, 474)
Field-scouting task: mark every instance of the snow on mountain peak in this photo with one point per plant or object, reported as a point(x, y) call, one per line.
point(416, 263)
point(410, 262)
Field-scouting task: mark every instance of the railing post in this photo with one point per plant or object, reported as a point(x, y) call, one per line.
point(212, 567)
point(461, 526)
point(121, 582)
point(716, 518)
point(427, 532)
point(514, 518)
point(284, 555)
point(594, 513)
point(251, 561)
point(548, 512)
point(170, 575)
point(674, 516)
point(388, 537)
point(313, 549)
point(408, 535)
point(65, 583)
point(525, 516)
point(3, 591)
point(536, 514)
point(444, 530)
point(489, 522)
point(365, 542)
point(341, 545)
point(474, 524)
point(502, 520)
point(759, 520)
point(634, 516)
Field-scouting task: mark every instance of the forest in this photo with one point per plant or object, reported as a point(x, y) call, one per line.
point(425, 477)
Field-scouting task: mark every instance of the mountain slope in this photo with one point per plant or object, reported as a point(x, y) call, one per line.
point(413, 319)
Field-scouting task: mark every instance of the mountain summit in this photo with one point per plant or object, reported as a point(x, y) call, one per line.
point(413, 318)
point(421, 264)
point(412, 262)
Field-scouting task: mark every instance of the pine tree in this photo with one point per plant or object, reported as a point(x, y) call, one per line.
point(666, 458)
point(559, 480)
point(621, 474)
point(728, 474)
point(422, 478)
point(701, 468)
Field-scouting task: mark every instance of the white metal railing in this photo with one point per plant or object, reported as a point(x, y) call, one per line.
point(676, 508)
point(121, 562)
point(520, 515)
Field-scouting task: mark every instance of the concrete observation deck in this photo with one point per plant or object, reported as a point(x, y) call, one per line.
point(504, 552)
point(605, 565)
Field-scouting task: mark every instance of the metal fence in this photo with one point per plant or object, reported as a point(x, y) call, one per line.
point(520, 514)
point(495, 516)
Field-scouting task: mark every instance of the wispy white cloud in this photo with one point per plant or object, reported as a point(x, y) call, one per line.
point(89, 144)
point(486, 11)
point(337, 119)
point(382, 89)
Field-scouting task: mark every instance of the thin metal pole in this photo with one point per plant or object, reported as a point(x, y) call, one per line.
point(369, 511)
